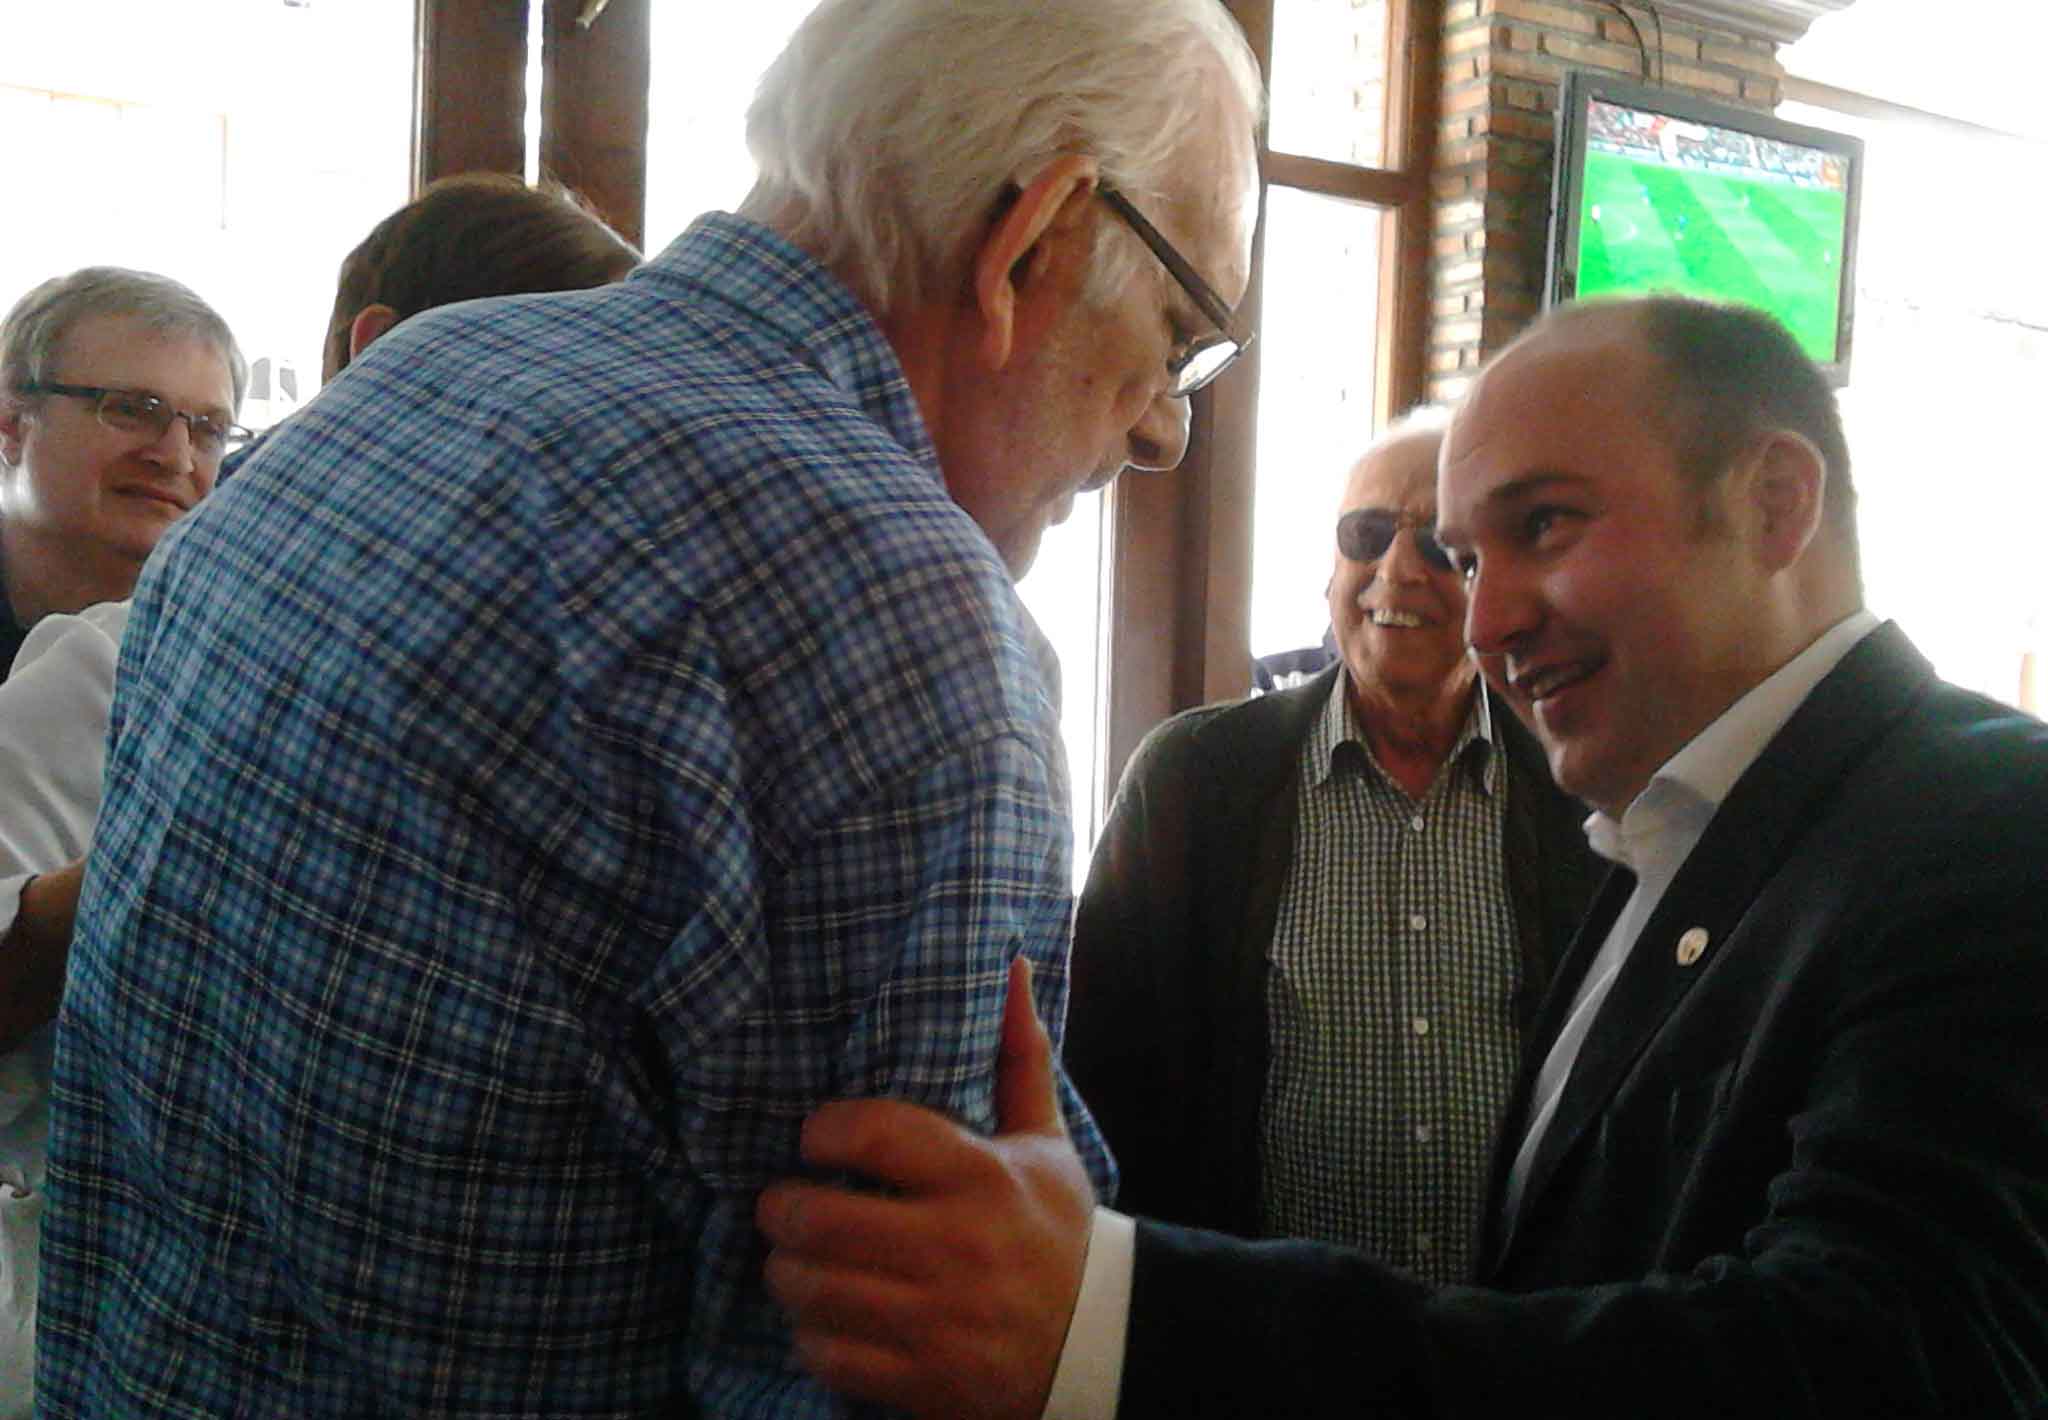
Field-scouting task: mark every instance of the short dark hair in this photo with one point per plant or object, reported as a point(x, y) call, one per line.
point(470, 236)
point(1733, 373)
point(1723, 375)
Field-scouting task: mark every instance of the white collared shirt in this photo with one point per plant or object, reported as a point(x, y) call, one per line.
point(53, 729)
point(1655, 835)
point(1676, 807)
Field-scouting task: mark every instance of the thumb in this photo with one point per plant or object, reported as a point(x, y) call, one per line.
point(1026, 1102)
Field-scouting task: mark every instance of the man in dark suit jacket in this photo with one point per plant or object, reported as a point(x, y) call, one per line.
point(1781, 1148)
point(1252, 905)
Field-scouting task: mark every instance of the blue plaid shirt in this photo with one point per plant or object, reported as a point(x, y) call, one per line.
point(578, 744)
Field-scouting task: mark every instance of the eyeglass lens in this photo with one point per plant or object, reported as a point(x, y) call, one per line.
point(1365, 534)
point(1202, 362)
point(134, 412)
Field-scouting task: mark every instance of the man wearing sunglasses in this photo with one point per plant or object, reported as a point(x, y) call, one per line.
point(1319, 921)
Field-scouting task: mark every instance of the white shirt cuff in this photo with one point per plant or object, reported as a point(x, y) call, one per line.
point(1091, 1369)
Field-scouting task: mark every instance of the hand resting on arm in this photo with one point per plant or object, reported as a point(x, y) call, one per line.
point(950, 1293)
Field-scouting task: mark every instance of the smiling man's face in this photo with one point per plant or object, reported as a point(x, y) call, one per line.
point(1399, 618)
point(1609, 602)
point(96, 497)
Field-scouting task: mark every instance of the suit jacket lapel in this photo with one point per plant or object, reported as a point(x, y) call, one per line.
point(1754, 831)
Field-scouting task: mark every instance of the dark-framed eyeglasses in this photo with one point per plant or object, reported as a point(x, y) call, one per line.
point(1205, 357)
point(140, 412)
point(1365, 534)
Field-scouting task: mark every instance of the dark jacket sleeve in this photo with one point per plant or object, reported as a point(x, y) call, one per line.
point(1166, 1023)
point(1815, 1186)
point(1896, 1265)
point(1131, 1015)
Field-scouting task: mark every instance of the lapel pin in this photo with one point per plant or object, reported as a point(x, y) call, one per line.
point(1692, 946)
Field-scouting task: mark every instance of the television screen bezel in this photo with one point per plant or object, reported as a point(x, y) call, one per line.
point(1582, 87)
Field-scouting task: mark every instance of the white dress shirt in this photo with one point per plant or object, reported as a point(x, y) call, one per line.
point(1654, 835)
point(53, 731)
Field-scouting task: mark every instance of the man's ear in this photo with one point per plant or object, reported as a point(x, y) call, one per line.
point(1015, 251)
point(370, 322)
point(1788, 482)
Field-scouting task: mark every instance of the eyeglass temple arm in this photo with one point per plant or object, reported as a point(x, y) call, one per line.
point(1202, 293)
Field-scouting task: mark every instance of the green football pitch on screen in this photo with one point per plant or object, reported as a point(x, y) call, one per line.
point(1774, 245)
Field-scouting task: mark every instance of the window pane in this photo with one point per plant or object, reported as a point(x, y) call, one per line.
point(249, 187)
point(1065, 593)
point(705, 63)
point(1320, 315)
point(704, 67)
point(1949, 359)
point(1329, 80)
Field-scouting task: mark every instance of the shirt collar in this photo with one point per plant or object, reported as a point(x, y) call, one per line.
point(768, 281)
point(1336, 727)
point(1668, 817)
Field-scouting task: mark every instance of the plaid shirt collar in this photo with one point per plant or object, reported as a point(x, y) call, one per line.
point(771, 283)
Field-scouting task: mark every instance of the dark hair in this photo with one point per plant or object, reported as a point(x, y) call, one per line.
point(1725, 374)
point(1732, 373)
point(475, 235)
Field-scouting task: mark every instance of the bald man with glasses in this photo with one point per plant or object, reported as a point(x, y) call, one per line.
point(1319, 921)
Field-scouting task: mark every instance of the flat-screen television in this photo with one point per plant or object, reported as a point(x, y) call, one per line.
point(1659, 191)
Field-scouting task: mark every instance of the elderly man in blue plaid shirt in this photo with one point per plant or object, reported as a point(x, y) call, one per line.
point(601, 727)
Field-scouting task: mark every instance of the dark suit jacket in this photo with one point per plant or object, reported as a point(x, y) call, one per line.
point(1166, 1026)
point(1806, 1176)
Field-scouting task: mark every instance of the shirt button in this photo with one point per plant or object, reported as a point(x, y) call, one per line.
point(1420, 1025)
point(1416, 823)
point(1417, 921)
point(1423, 1133)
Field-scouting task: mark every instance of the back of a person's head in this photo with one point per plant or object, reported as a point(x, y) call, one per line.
point(470, 236)
point(34, 329)
point(886, 133)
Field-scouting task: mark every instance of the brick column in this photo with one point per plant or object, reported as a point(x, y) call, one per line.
point(1503, 63)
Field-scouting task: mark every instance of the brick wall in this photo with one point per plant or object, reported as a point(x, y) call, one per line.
point(1503, 61)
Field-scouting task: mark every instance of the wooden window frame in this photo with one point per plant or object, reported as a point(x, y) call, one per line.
point(595, 58)
point(1180, 593)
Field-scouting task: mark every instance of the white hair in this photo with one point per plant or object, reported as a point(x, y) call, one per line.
point(1421, 419)
point(1432, 419)
point(888, 131)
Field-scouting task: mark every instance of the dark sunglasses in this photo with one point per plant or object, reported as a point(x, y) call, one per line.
point(1365, 534)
